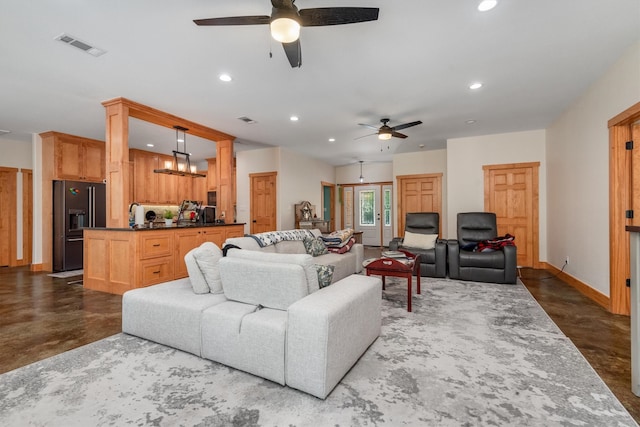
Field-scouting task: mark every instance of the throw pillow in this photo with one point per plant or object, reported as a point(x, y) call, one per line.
point(207, 257)
point(198, 282)
point(315, 246)
point(420, 241)
point(325, 274)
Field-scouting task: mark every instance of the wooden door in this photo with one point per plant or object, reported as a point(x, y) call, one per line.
point(511, 192)
point(263, 202)
point(8, 183)
point(419, 193)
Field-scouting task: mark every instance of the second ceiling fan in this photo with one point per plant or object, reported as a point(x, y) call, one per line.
point(285, 22)
point(385, 131)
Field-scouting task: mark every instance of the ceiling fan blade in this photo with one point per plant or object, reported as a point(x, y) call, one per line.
point(235, 20)
point(398, 134)
point(364, 136)
point(336, 15)
point(369, 126)
point(406, 125)
point(294, 53)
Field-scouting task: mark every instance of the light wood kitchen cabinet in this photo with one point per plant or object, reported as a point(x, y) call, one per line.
point(199, 188)
point(77, 158)
point(211, 175)
point(122, 259)
point(145, 181)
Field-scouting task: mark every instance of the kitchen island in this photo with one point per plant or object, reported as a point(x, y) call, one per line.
point(119, 259)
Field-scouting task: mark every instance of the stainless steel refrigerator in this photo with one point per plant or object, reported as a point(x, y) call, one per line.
point(76, 205)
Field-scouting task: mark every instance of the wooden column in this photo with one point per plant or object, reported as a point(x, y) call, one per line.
point(225, 188)
point(117, 164)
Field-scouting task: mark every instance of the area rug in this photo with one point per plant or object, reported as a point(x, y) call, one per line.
point(469, 354)
point(65, 274)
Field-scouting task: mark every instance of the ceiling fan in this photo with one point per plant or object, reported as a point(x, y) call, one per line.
point(285, 22)
point(385, 131)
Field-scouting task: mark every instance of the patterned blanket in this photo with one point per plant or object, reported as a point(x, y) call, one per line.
point(273, 237)
point(338, 238)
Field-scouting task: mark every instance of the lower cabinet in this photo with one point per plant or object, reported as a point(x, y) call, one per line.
point(116, 261)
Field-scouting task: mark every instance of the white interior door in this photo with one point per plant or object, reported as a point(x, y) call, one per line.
point(368, 214)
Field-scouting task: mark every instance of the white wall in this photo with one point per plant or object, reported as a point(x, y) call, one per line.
point(372, 172)
point(299, 178)
point(423, 162)
point(15, 154)
point(253, 161)
point(465, 176)
point(578, 173)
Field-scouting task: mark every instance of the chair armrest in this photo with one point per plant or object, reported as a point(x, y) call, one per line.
point(441, 258)
point(395, 243)
point(329, 330)
point(510, 264)
point(453, 255)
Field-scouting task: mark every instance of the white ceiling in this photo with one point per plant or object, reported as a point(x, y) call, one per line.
point(415, 63)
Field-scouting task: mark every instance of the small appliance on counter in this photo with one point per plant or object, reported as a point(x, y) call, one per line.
point(208, 215)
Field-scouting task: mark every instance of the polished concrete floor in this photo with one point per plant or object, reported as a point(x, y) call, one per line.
point(41, 316)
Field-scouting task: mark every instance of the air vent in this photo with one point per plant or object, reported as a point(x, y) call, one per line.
point(83, 46)
point(247, 120)
point(4, 132)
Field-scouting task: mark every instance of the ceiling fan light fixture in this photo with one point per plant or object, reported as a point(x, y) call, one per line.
point(384, 136)
point(285, 29)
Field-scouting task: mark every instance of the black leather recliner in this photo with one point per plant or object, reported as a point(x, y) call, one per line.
point(433, 262)
point(499, 266)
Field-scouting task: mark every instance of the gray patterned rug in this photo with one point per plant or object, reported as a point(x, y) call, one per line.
point(469, 355)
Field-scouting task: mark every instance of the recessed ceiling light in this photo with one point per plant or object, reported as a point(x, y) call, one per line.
point(294, 118)
point(421, 145)
point(225, 77)
point(476, 85)
point(487, 5)
point(470, 122)
point(332, 140)
point(149, 145)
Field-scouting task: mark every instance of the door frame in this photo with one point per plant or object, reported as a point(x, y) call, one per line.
point(332, 202)
point(535, 198)
point(275, 197)
point(620, 196)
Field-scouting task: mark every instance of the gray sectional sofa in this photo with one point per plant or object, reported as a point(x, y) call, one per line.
point(265, 315)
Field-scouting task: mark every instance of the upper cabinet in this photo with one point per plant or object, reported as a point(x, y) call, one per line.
point(151, 187)
point(77, 158)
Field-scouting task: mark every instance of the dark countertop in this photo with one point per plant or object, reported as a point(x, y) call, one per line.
point(161, 226)
point(632, 228)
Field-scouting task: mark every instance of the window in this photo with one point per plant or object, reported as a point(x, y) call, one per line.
point(386, 209)
point(367, 207)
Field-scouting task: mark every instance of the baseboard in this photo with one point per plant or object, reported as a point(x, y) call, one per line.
point(580, 286)
point(37, 267)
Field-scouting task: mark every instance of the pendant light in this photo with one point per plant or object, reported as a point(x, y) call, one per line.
point(181, 166)
point(361, 177)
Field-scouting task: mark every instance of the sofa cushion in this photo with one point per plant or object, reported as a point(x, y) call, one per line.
point(207, 256)
point(198, 282)
point(344, 264)
point(269, 284)
point(290, 247)
point(325, 274)
point(420, 241)
point(315, 246)
point(304, 260)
